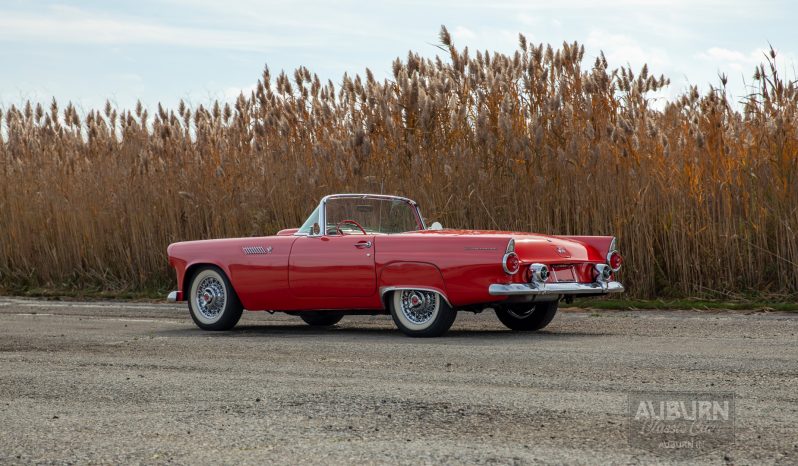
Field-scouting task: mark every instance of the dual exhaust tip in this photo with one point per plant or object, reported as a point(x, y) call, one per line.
point(538, 273)
point(603, 272)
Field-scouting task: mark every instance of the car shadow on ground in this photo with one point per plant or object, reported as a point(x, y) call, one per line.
point(370, 332)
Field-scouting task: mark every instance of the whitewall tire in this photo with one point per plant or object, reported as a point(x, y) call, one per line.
point(421, 313)
point(212, 302)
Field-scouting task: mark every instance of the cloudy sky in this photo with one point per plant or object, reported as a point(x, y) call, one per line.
point(200, 50)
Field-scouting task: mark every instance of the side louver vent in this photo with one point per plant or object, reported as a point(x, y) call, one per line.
point(257, 250)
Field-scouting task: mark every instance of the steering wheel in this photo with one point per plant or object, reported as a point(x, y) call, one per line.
point(351, 222)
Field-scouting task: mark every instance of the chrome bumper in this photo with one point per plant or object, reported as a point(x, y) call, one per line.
point(519, 289)
point(172, 297)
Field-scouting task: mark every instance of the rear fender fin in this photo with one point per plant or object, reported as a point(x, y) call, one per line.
point(603, 245)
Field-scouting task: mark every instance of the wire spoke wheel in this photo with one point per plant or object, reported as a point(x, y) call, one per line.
point(421, 313)
point(419, 307)
point(212, 301)
point(210, 297)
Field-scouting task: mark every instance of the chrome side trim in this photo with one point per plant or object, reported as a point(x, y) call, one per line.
point(516, 289)
point(385, 289)
point(172, 297)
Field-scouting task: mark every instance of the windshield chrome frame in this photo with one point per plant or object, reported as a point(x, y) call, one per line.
point(323, 209)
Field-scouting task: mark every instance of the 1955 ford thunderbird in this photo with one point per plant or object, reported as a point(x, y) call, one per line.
point(373, 254)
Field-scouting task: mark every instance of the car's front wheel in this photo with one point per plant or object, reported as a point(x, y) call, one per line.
point(527, 317)
point(421, 313)
point(321, 319)
point(212, 302)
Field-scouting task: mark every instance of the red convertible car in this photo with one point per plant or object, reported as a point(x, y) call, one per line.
point(373, 254)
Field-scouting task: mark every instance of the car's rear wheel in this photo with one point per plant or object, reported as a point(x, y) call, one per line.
point(527, 317)
point(421, 313)
point(212, 302)
point(321, 319)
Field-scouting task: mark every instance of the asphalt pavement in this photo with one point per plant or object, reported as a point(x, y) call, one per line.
point(129, 382)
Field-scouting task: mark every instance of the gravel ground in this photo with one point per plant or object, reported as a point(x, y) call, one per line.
point(138, 383)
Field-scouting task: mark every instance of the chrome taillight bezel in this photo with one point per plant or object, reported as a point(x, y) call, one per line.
point(609, 260)
point(507, 270)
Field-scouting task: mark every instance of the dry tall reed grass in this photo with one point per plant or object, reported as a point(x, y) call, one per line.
point(702, 194)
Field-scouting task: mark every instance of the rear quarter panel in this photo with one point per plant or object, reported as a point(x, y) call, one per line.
point(466, 265)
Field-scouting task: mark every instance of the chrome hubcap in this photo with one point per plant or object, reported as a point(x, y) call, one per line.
point(210, 298)
point(418, 306)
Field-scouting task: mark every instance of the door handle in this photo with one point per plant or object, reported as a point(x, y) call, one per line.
point(363, 244)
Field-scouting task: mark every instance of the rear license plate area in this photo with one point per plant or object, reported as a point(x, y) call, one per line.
point(564, 274)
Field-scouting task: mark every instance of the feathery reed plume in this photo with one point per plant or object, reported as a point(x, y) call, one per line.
point(701, 196)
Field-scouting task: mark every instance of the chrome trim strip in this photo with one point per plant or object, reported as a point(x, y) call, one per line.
point(510, 246)
point(516, 289)
point(172, 297)
point(322, 218)
point(385, 289)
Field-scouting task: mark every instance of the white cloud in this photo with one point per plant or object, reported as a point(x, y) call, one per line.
point(232, 93)
point(689, 41)
point(716, 6)
point(621, 49)
point(69, 25)
point(733, 59)
point(18, 97)
point(463, 33)
point(494, 39)
point(128, 77)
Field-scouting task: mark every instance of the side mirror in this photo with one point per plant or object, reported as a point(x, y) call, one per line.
point(315, 229)
point(436, 226)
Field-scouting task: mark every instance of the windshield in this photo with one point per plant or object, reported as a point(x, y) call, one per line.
point(347, 215)
point(374, 215)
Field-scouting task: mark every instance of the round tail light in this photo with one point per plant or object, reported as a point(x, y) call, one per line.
point(511, 263)
point(614, 260)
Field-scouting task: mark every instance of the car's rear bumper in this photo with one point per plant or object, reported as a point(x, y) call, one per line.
point(175, 296)
point(521, 289)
